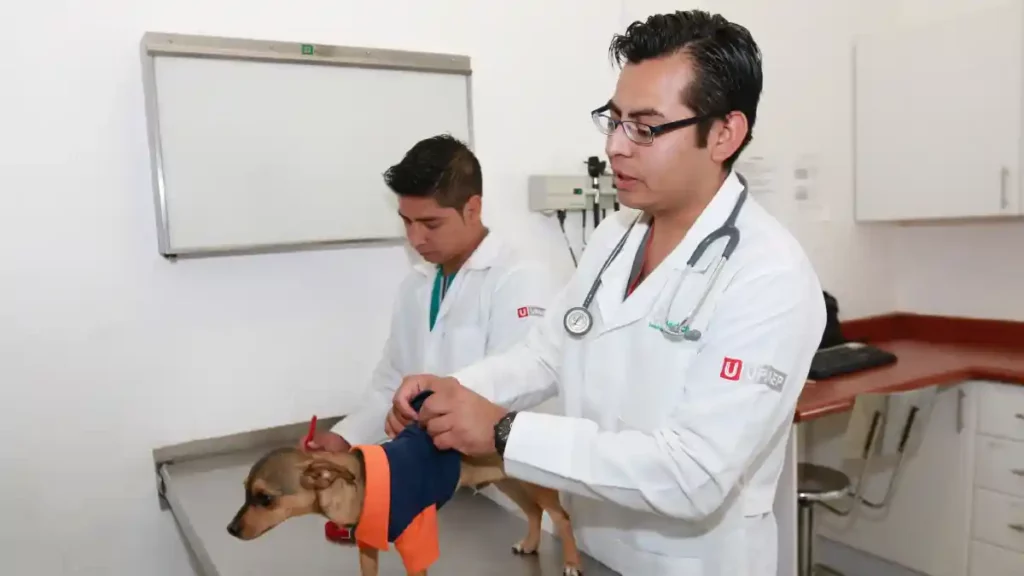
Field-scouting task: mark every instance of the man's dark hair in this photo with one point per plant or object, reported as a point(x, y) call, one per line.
point(440, 167)
point(725, 59)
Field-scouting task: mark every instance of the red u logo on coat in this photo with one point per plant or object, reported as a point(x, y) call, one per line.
point(731, 368)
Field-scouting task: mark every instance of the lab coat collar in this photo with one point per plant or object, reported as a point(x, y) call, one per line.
point(485, 255)
point(713, 216)
point(616, 312)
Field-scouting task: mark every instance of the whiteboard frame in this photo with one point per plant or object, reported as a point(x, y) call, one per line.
point(154, 44)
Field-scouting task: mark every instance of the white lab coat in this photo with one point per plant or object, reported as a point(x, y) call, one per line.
point(491, 304)
point(669, 466)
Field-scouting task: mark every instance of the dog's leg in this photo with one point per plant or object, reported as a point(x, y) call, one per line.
point(534, 514)
point(548, 500)
point(368, 561)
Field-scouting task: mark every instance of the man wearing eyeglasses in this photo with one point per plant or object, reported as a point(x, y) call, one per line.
point(679, 371)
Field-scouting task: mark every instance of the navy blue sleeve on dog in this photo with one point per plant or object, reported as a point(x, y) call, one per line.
point(421, 475)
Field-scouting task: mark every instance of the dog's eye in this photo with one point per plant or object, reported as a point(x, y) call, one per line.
point(263, 499)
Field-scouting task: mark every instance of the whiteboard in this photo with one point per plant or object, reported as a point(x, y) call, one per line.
point(258, 145)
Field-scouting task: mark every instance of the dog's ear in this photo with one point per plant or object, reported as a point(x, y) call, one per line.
point(319, 474)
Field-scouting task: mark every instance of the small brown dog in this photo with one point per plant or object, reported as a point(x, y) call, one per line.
point(288, 482)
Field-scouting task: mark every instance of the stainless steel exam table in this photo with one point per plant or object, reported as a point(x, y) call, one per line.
point(204, 492)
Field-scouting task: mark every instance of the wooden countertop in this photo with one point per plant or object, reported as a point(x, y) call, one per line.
point(932, 350)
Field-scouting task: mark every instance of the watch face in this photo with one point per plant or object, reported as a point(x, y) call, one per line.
point(501, 431)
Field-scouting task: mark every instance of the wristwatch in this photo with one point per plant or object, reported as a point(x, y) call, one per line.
point(501, 431)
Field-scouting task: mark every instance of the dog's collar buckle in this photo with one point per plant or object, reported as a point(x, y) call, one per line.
point(340, 534)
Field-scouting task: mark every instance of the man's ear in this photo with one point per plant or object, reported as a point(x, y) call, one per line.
point(727, 135)
point(471, 211)
point(319, 474)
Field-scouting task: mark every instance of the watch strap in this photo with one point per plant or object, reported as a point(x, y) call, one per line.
point(502, 429)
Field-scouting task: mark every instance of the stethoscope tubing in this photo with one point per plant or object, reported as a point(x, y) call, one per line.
point(728, 229)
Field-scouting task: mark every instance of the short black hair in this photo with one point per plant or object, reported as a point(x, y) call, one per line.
point(725, 58)
point(441, 167)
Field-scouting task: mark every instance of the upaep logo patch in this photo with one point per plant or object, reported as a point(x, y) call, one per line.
point(765, 374)
point(529, 311)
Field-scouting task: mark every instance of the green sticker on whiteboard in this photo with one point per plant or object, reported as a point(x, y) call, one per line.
point(307, 49)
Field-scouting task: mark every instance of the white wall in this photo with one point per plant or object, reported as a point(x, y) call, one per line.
point(107, 351)
point(973, 270)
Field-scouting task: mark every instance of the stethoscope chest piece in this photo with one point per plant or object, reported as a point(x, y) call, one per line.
point(578, 321)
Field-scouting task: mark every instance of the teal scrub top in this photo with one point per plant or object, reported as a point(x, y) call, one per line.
point(441, 284)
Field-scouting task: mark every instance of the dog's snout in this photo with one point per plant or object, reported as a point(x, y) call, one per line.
point(235, 528)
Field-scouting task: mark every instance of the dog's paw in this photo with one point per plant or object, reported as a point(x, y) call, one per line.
point(572, 571)
point(521, 549)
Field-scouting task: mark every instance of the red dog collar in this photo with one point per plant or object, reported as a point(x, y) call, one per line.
point(339, 534)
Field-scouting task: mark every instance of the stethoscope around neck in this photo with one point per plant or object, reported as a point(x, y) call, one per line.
point(578, 320)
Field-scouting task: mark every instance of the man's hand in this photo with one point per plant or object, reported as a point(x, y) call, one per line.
point(326, 441)
point(401, 413)
point(394, 423)
point(454, 416)
point(401, 410)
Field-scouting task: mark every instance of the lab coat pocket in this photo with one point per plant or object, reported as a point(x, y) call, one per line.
point(464, 345)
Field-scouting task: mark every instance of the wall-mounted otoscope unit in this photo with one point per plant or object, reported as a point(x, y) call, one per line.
point(591, 194)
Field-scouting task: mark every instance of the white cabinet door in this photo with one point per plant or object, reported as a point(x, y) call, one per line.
point(925, 526)
point(938, 118)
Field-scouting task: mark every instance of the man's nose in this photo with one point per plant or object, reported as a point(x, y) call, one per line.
point(617, 143)
point(417, 237)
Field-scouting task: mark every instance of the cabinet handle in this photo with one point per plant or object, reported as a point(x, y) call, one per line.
point(959, 410)
point(1004, 199)
point(1017, 527)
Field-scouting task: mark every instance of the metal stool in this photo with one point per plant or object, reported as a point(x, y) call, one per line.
point(815, 484)
point(881, 427)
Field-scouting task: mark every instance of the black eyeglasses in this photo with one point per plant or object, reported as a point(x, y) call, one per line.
point(638, 131)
